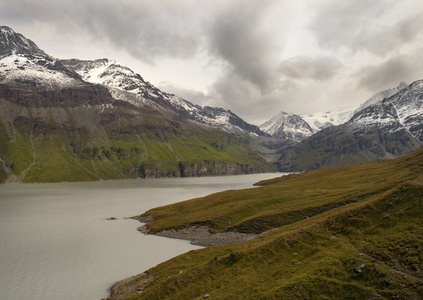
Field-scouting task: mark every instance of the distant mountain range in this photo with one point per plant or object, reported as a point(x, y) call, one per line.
point(78, 120)
point(299, 127)
point(389, 125)
point(73, 120)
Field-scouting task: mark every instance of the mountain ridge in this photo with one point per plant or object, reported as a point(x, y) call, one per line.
point(318, 121)
point(55, 126)
point(12, 41)
point(112, 74)
point(389, 128)
point(121, 105)
point(287, 126)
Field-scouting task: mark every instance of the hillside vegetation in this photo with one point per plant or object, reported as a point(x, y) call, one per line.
point(348, 233)
point(111, 139)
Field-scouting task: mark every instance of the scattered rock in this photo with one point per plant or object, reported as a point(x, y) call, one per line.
point(143, 229)
point(144, 219)
point(360, 268)
point(201, 236)
point(386, 216)
point(206, 296)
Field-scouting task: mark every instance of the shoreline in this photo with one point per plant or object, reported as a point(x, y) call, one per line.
point(200, 235)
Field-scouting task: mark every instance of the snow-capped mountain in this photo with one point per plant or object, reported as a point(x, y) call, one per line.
point(319, 121)
point(295, 128)
point(120, 78)
point(401, 111)
point(386, 129)
point(71, 120)
point(287, 126)
point(22, 62)
point(15, 42)
point(381, 95)
point(36, 70)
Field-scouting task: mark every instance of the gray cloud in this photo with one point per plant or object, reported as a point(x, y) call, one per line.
point(238, 36)
point(386, 39)
point(391, 72)
point(352, 24)
point(193, 96)
point(304, 67)
point(146, 29)
point(259, 47)
point(243, 97)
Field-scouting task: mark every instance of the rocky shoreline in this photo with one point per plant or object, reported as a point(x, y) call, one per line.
point(128, 287)
point(201, 236)
point(198, 235)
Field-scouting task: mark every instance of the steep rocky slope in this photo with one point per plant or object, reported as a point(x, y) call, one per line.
point(56, 125)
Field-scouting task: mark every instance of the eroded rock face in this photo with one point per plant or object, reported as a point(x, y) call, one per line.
point(212, 168)
point(31, 97)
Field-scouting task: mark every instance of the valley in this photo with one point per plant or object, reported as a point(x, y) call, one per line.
point(347, 221)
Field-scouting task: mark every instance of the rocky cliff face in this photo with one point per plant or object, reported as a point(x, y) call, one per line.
point(67, 121)
point(11, 42)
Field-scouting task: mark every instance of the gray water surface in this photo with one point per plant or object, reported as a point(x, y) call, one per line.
point(56, 241)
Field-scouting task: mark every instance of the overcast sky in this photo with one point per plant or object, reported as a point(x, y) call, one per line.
point(254, 57)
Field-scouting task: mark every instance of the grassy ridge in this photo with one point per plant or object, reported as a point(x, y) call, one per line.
point(282, 201)
point(366, 244)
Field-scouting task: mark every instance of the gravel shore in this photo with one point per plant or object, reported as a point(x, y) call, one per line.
point(200, 235)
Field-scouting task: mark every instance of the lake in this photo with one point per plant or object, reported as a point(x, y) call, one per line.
point(56, 241)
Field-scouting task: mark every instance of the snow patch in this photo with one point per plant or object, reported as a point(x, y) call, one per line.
point(18, 67)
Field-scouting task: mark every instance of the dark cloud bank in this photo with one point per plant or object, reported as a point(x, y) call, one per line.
point(248, 40)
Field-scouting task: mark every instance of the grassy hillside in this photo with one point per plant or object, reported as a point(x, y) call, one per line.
point(53, 144)
point(349, 233)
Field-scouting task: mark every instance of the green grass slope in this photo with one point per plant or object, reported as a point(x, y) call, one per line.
point(349, 233)
point(42, 144)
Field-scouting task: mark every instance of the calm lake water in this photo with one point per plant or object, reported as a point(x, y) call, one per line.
point(56, 241)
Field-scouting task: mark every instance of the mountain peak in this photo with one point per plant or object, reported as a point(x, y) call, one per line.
point(288, 126)
point(11, 42)
point(382, 95)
